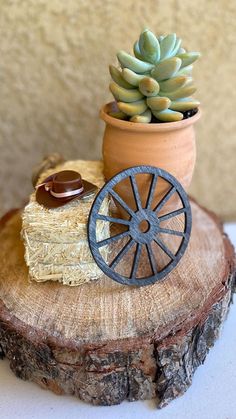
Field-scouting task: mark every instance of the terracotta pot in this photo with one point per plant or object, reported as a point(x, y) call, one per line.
point(169, 146)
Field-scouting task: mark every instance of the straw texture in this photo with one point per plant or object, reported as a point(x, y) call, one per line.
point(56, 245)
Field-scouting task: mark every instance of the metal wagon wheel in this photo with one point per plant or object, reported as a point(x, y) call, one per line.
point(148, 213)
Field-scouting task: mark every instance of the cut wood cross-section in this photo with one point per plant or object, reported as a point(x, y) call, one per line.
point(105, 342)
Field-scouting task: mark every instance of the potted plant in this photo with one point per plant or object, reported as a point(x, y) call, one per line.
point(151, 121)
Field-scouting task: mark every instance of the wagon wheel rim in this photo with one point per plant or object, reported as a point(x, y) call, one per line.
point(137, 239)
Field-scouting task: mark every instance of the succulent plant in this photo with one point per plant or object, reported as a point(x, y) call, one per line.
point(156, 81)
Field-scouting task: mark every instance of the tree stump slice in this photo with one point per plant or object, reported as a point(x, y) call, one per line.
point(105, 342)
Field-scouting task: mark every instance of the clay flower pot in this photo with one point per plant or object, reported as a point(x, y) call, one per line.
point(169, 146)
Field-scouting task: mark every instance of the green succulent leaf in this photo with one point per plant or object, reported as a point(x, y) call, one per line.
point(173, 83)
point(176, 47)
point(131, 109)
point(185, 71)
point(131, 77)
point(149, 86)
point(158, 103)
point(181, 51)
point(182, 92)
point(143, 118)
point(118, 78)
point(125, 95)
point(188, 58)
point(167, 44)
point(166, 69)
point(184, 104)
point(133, 63)
point(137, 52)
point(118, 115)
point(168, 115)
point(149, 46)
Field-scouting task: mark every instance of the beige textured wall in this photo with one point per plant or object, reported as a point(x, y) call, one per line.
point(54, 78)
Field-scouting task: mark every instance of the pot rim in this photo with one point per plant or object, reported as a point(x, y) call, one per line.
point(133, 126)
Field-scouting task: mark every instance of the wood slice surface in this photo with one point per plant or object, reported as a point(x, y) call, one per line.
point(105, 342)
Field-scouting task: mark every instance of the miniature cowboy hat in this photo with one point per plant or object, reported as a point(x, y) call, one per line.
point(63, 187)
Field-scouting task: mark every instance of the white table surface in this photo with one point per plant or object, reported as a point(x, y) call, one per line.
point(211, 396)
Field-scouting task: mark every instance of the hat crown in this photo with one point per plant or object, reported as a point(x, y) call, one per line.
point(62, 187)
point(66, 180)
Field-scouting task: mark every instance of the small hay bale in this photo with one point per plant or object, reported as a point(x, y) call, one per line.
point(56, 245)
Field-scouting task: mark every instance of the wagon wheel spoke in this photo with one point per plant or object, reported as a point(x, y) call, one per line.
point(151, 258)
point(136, 192)
point(113, 219)
point(136, 260)
point(164, 248)
point(122, 202)
point(127, 246)
point(165, 198)
point(122, 253)
point(112, 239)
point(151, 191)
point(172, 214)
point(173, 232)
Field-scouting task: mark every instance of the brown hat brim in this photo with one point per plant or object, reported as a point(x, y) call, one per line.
point(44, 197)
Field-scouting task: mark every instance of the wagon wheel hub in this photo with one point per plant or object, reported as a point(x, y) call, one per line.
point(144, 226)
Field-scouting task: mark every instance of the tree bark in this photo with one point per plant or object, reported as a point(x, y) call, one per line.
point(104, 342)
